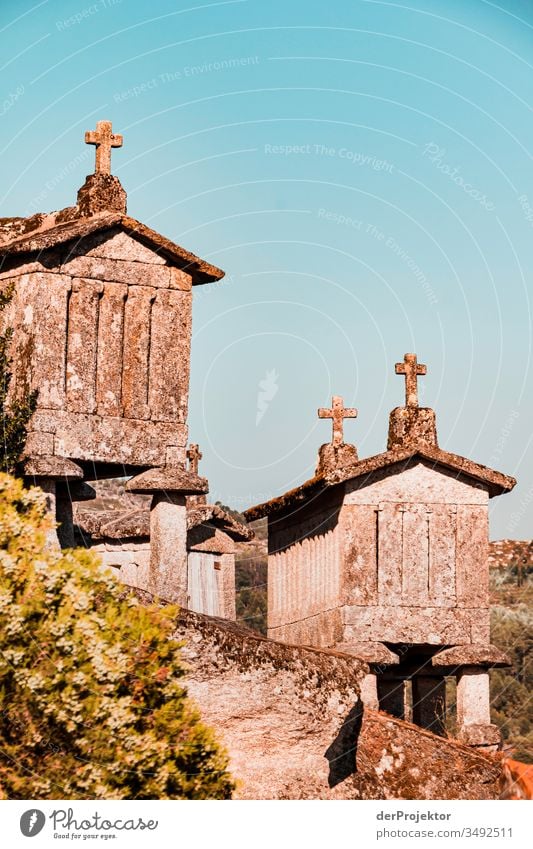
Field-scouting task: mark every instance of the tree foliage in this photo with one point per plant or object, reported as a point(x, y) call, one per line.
point(92, 701)
point(512, 631)
point(14, 417)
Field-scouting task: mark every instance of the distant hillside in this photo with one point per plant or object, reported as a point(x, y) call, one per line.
point(509, 552)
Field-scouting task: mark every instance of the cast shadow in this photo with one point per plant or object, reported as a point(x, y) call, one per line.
point(342, 753)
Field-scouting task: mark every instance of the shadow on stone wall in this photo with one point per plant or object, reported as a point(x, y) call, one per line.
point(342, 754)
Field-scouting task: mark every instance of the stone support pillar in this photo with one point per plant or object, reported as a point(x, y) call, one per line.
point(65, 518)
point(54, 475)
point(168, 547)
point(429, 703)
point(473, 709)
point(48, 486)
point(473, 697)
point(169, 487)
point(391, 694)
point(369, 691)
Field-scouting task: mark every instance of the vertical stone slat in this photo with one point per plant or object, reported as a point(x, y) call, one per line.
point(442, 555)
point(40, 338)
point(82, 344)
point(136, 356)
point(110, 350)
point(390, 547)
point(360, 566)
point(294, 559)
point(168, 366)
point(314, 564)
point(472, 556)
point(415, 565)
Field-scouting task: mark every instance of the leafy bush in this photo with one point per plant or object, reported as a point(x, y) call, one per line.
point(512, 631)
point(14, 417)
point(92, 702)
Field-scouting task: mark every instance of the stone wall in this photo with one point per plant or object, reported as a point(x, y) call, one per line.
point(293, 723)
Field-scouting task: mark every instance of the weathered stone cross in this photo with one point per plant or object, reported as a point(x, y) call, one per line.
point(104, 138)
point(411, 369)
point(337, 413)
point(194, 455)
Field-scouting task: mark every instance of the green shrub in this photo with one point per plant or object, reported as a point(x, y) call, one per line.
point(14, 418)
point(92, 702)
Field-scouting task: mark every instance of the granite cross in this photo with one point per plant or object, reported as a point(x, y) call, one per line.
point(104, 138)
point(411, 369)
point(194, 455)
point(337, 413)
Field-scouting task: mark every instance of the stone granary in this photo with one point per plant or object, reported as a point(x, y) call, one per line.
point(386, 558)
point(122, 541)
point(121, 538)
point(101, 312)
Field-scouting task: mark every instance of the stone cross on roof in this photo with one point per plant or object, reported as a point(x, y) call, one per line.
point(337, 413)
point(104, 138)
point(411, 369)
point(194, 455)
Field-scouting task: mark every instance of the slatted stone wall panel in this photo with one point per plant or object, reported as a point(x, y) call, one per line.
point(415, 557)
point(110, 349)
point(472, 556)
point(390, 553)
point(442, 555)
point(137, 332)
point(168, 356)
point(82, 345)
point(40, 315)
point(304, 579)
point(360, 577)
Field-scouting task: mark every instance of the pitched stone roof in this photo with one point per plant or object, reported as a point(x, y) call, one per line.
point(496, 482)
point(22, 236)
point(135, 523)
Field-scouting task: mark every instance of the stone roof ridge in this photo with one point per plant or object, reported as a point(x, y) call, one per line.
point(51, 232)
point(496, 482)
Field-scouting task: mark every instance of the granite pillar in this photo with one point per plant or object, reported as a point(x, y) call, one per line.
point(168, 547)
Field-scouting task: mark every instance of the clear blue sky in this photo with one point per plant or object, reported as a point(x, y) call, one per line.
point(361, 170)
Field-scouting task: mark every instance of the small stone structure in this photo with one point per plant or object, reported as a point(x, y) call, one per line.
point(101, 314)
point(122, 540)
point(386, 558)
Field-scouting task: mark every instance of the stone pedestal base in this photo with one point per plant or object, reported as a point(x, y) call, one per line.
point(412, 426)
point(332, 457)
point(485, 737)
point(429, 703)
